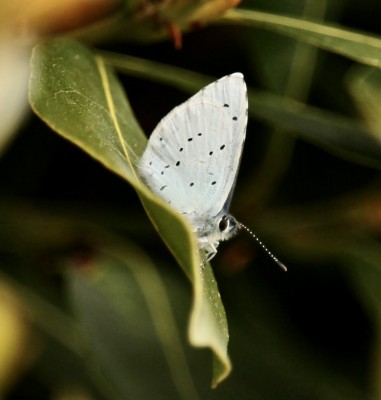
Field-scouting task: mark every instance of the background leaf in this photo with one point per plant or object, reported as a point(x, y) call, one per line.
point(345, 137)
point(364, 84)
point(122, 305)
point(361, 47)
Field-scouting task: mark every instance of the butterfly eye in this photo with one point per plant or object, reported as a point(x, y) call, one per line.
point(223, 224)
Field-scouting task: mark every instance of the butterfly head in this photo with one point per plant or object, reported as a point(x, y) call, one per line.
point(224, 227)
point(214, 230)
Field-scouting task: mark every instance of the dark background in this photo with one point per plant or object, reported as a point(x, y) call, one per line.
point(304, 334)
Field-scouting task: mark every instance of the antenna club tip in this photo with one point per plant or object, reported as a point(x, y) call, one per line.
point(282, 266)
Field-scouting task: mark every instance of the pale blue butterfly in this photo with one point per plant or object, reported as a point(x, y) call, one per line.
point(192, 160)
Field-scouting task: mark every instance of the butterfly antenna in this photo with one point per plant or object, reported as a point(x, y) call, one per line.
point(263, 246)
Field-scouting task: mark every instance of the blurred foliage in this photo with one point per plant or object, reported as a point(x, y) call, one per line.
point(92, 304)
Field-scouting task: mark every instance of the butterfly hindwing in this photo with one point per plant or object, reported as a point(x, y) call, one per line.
point(193, 155)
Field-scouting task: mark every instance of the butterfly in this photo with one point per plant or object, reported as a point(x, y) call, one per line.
point(193, 156)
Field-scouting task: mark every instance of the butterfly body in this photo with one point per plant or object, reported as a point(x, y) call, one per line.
point(193, 155)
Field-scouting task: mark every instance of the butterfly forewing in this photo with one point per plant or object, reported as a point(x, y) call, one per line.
point(231, 93)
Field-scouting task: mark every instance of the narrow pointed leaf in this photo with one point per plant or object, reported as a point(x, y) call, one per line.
point(358, 46)
point(125, 313)
point(80, 98)
point(365, 87)
point(343, 136)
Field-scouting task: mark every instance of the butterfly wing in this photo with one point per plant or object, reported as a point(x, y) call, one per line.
point(193, 155)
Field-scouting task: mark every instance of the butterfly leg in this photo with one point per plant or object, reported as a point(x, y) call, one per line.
point(210, 250)
point(206, 255)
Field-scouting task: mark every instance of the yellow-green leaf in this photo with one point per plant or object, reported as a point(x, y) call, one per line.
point(80, 98)
point(343, 136)
point(365, 86)
point(123, 307)
point(349, 43)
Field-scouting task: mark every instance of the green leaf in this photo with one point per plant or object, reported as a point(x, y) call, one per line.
point(349, 43)
point(363, 257)
point(284, 65)
point(129, 325)
point(343, 136)
point(365, 87)
point(79, 97)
